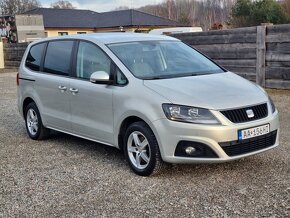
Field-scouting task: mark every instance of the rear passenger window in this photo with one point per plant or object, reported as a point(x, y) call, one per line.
point(33, 60)
point(58, 56)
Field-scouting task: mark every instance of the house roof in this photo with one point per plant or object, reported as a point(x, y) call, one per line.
point(64, 18)
point(132, 18)
point(74, 18)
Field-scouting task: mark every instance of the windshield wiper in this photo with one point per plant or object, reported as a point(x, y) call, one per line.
point(200, 74)
point(176, 76)
point(168, 76)
point(194, 74)
point(154, 78)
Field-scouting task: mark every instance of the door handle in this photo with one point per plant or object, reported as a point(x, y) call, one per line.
point(62, 88)
point(73, 91)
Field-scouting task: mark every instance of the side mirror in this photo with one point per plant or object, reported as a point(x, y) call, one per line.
point(101, 77)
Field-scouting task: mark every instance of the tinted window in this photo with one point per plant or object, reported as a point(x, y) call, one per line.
point(91, 59)
point(33, 60)
point(57, 58)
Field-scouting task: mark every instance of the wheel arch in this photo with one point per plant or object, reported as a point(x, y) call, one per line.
point(25, 103)
point(127, 119)
point(123, 127)
point(154, 163)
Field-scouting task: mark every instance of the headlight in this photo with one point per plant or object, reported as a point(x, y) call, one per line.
point(189, 114)
point(273, 108)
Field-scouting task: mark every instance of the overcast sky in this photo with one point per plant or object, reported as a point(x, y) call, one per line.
point(104, 5)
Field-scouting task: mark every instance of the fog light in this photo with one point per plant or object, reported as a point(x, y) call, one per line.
point(190, 150)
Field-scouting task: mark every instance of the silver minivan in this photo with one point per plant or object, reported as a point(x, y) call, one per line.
point(154, 97)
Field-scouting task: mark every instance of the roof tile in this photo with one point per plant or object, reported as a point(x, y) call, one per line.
point(75, 18)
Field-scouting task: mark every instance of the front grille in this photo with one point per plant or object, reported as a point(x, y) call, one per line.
point(240, 115)
point(249, 145)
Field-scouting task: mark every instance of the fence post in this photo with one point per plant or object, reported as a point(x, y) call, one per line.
point(261, 55)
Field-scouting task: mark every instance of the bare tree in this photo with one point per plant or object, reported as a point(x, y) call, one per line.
point(204, 13)
point(286, 8)
point(62, 5)
point(157, 10)
point(11, 7)
point(121, 8)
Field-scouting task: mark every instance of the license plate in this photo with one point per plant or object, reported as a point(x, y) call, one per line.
point(253, 132)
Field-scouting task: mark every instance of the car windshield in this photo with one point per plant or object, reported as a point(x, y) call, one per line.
point(163, 59)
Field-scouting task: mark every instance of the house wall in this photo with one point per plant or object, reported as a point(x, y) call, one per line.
point(132, 28)
point(126, 29)
point(71, 31)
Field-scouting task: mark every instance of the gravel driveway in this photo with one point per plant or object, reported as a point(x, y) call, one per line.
point(71, 177)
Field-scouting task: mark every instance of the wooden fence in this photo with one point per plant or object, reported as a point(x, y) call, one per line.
point(260, 54)
point(278, 57)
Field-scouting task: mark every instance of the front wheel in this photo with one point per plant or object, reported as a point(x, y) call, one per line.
point(141, 150)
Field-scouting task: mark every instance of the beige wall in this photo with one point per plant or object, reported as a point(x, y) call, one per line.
point(54, 32)
point(130, 29)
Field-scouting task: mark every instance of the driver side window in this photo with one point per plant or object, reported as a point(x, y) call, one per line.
point(91, 59)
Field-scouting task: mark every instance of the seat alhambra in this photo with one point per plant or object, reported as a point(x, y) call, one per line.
point(154, 97)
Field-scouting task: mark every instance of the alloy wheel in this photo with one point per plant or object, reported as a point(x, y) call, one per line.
point(138, 150)
point(32, 122)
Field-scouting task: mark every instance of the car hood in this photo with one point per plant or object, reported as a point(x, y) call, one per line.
point(214, 91)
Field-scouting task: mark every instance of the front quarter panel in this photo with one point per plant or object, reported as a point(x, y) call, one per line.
point(136, 100)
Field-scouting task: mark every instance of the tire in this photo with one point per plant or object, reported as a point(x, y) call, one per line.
point(141, 150)
point(33, 123)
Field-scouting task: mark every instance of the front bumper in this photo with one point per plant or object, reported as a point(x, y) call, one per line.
point(170, 133)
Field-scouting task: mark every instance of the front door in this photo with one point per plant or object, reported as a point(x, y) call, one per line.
point(91, 104)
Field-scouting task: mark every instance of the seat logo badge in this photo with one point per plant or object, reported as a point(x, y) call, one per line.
point(250, 113)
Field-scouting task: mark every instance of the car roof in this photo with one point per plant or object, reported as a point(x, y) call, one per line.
point(110, 38)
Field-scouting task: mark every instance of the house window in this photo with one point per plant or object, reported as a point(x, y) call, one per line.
point(81, 32)
point(62, 33)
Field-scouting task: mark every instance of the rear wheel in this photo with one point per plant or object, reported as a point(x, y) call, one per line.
point(33, 123)
point(142, 150)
